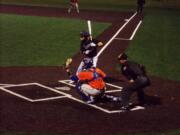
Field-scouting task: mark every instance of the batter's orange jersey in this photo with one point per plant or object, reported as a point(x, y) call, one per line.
point(94, 77)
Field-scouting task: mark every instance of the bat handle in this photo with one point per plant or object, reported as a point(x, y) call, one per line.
point(91, 37)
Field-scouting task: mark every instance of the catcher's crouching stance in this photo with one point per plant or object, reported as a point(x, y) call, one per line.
point(90, 84)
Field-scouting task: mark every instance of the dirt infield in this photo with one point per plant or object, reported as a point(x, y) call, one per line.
point(40, 107)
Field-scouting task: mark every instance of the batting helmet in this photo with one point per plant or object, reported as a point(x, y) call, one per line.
point(84, 34)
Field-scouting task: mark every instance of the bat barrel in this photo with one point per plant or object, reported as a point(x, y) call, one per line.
point(89, 27)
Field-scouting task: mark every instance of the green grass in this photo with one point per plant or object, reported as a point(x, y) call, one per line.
point(43, 41)
point(157, 44)
point(34, 41)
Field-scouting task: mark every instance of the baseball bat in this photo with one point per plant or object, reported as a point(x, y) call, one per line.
point(89, 28)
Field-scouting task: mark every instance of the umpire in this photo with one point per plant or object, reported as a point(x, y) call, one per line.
point(138, 80)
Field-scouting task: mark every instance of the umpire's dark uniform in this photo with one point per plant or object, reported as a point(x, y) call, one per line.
point(136, 73)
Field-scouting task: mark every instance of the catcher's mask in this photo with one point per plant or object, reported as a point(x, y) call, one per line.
point(88, 63)
point(84, 34)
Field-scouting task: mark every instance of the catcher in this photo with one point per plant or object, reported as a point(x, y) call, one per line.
point(89, 83)
point(88, 48)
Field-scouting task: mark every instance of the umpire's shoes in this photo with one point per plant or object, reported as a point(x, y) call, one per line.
point(113, 99)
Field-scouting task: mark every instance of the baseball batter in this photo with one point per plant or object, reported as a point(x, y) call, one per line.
point(88, 48)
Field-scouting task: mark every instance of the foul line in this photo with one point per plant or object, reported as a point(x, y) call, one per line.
point(137, 27)
point(133, 34)
point(107, 44)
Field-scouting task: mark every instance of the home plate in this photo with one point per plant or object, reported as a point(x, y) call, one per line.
point(65, 88)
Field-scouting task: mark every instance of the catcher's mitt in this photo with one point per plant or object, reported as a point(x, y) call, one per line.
point(68, 62)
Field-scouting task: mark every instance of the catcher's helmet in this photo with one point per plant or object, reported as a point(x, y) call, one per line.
point(88, 63)
point(84, 34)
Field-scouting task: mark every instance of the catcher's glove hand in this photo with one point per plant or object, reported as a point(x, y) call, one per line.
point(68, 62)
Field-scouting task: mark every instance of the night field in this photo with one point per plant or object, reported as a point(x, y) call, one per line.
point(37, 37)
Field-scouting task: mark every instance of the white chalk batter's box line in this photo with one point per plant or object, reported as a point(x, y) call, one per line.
point(6, 86)
point(132, 35)
point(64, 95)
point(116, 88)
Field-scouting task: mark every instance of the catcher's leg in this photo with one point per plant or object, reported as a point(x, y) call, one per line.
point(91, 92)
point(87, 89)
point(83, 96)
